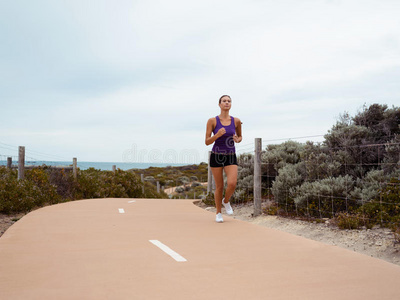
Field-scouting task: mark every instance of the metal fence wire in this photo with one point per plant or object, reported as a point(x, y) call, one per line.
point(312, 181)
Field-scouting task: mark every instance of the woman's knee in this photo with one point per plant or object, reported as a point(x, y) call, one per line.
point(231, 184)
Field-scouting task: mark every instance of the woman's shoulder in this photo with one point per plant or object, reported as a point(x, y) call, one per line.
point(212, 120)
point(237, 120)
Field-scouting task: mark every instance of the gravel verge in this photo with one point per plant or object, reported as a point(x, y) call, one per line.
point(7, 220)
point(376, 242)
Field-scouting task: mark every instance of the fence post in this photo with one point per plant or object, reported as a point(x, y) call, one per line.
point(210, 177)
point(257, 177)
point(142, 178)
point(75, 167)
point(21, 162)
point(158, 186)
point(114, 168)
point(398, 164)
point(9, 162)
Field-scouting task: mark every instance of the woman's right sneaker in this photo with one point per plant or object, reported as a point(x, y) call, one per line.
point(218, 218)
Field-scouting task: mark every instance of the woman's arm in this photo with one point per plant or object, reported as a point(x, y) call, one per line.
point(238, 136)
point(210, 126)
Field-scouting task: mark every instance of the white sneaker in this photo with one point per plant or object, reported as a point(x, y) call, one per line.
point(228, 207)
point(218, 218)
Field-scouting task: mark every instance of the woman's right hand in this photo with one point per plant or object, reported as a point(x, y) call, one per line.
point(221, 132)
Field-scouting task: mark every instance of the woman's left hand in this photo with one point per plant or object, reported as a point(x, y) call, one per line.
point(237, 139)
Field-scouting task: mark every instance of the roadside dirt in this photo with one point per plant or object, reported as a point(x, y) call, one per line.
point(377, 242)
point(171, 190)
point(7, 220)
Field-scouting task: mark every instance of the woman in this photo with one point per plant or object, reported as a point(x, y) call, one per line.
point(227, 131)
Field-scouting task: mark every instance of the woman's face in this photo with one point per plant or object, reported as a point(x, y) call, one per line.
point(226, 103)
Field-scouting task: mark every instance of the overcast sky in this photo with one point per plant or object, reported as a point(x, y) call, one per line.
point(136, 81)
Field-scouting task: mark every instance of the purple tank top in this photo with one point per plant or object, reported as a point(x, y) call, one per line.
point(225, 143)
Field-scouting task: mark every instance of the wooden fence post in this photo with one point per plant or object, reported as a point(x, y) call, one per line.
point(21, 162)
point(9, 162)
point(398, 164)
point(158, 186)
point(114, 168)
point(75, 167)
point(257, 177)
point(210, 177)
point(142, 178)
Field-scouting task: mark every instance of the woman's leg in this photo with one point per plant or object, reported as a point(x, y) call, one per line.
point(231, 174)
point(219, 186)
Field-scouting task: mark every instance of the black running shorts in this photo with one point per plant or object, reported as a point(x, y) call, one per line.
point(218, 160)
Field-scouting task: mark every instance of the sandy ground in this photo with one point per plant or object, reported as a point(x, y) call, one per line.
point(7, 220)
point(171, 190)
point(377, 242)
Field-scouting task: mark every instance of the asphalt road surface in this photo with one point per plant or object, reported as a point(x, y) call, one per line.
point(172, 249)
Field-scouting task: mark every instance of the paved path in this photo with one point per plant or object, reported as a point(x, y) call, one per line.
point(100, 249)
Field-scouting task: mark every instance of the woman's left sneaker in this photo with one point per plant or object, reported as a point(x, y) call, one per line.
point(228, 207)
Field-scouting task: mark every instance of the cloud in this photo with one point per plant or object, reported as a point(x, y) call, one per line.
point(100, 78)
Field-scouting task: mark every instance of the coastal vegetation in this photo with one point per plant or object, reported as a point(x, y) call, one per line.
point(175, 176)
point(45, 186)
point(187, 180)
point(352, 176)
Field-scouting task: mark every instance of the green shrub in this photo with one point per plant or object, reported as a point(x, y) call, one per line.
point(179, 189)
point(149, 178)
point(64, 182)
point(24, 195)
point(285, 184)
point(348, 221)
point(209, 199)
point(196, 184)
point(271, 210)
point(46, 186)
point(326, 197)
point(184, 179)
point(196, 193)
point(385, 209)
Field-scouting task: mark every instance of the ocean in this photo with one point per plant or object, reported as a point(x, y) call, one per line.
point(106, 166)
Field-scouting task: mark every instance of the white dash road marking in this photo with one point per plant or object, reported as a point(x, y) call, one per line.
point(168, 250)
point(121, 210)
point(131, 201)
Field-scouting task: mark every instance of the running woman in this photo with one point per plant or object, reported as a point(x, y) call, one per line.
point(227, 131)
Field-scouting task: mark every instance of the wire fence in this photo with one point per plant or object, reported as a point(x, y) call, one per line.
point(355, 183)
point(38, 158)
point(310, 180)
